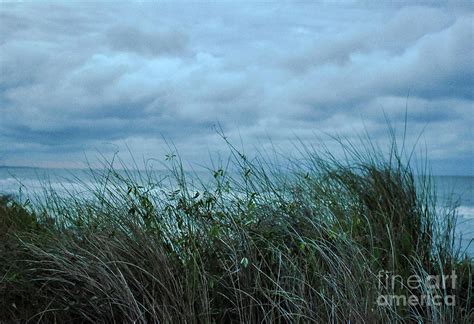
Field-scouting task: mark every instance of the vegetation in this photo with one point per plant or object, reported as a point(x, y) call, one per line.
point(256, 243)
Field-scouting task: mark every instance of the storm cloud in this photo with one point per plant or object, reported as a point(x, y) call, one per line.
point(80, 77)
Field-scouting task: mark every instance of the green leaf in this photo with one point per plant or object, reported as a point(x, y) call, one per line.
point(244, 262)
point(218, 173)
point(214, 231)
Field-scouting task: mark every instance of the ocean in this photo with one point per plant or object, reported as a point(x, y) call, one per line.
point(449, 189)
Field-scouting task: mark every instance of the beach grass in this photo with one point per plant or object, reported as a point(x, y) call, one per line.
point(253, 243)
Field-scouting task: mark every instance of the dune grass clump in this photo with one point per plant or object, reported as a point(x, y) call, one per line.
point(252, 243)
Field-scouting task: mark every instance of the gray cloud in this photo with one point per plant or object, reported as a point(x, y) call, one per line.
point(74, 77)
point(131, 39)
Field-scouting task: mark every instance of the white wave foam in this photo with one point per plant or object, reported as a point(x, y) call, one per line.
point(466, 211)
point(35, 186)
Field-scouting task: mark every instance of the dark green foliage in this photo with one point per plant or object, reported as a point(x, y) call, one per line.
point(299, 246)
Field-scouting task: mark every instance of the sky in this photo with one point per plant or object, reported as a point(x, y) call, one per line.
point(84, 78)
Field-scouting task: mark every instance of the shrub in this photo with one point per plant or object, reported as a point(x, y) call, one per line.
point(252, 244)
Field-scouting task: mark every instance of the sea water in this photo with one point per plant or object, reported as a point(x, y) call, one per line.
point(457, 190)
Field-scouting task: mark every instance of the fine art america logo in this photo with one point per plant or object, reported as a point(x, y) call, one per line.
point(430, 286)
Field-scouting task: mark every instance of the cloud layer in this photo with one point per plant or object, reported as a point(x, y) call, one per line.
point(75, 78)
